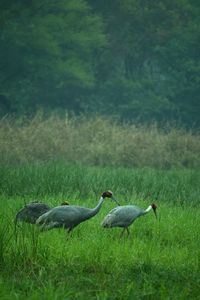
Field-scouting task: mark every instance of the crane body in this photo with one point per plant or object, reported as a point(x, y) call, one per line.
point(32, 211)
point(70, 216)
point(124, 216)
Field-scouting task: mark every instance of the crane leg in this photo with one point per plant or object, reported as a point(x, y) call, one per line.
point(70, 229)
point(128, 232)
point(122, 232)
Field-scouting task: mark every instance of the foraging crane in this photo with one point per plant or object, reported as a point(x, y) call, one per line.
point(124, 216)
point(31, 211)
point(70, 216)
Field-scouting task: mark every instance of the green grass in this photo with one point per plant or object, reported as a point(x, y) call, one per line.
point(159, 260)
point(62, 180)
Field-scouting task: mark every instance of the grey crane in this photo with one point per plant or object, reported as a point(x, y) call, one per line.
point(124, 216)
point(70, 216)
point(31, 211)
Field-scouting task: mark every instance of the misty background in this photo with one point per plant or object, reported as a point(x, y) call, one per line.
point(135, 60)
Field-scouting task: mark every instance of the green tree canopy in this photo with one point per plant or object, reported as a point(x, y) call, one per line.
point(152, 62)
point(137, 59)
point(48, 50)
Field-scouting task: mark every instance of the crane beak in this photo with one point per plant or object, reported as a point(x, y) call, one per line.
point(115, 200)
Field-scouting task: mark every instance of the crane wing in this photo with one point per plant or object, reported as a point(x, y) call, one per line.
point(67, 216)
point(121, 216)
point(31, 212)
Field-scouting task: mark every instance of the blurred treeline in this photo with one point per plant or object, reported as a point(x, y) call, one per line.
point(96, 141)
point(135, 59)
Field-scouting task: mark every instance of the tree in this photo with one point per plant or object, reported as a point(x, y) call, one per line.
point(48, 51)
point(152, 63)
point(137, 59)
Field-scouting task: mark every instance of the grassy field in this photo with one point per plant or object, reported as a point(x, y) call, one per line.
point(97, 141)
point(159, 260)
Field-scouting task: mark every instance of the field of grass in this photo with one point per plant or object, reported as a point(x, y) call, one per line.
point(159, 260)
point(97, 141)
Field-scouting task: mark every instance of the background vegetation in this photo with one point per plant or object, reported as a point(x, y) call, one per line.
point(135, 59)
point(96, 141)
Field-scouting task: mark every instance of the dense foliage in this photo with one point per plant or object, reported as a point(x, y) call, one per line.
point(135, 59)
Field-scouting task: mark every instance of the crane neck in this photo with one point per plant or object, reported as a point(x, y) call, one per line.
point(95, 210)
point(149, 208)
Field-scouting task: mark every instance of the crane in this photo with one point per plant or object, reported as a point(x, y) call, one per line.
point(70, 216)
point(31, 211)
point(124, 216)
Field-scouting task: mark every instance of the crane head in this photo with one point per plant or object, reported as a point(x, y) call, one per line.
point(64, 203)
point(109, 194)
point(154, 209)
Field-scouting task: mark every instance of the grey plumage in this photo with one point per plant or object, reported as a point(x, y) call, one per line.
point(31, 212)
point(70, 216)
point(124, 216)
